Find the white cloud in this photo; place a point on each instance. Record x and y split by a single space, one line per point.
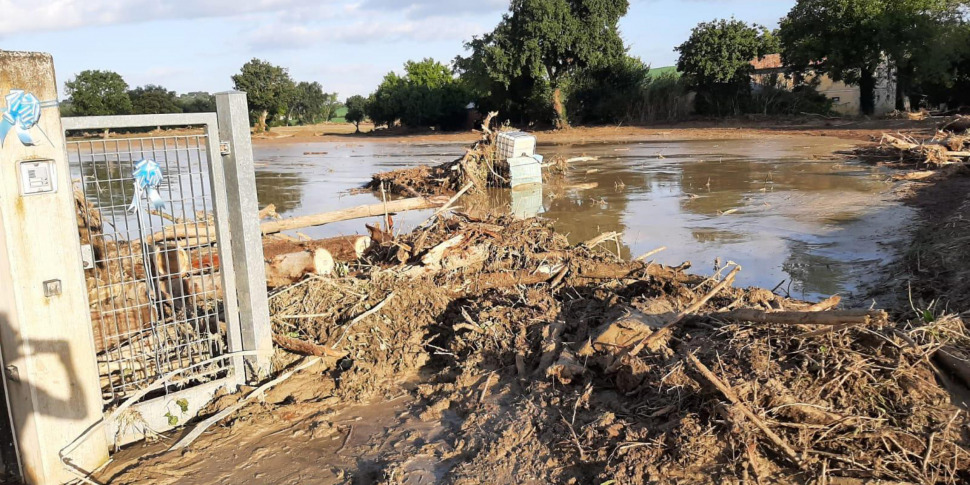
437 8
298 35
19 16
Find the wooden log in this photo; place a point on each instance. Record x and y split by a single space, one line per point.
596 241
487 281
619 271
651 341
826 304
206 286
373 210
286 269
172 258
434 255
341 248
200 230
306 348
204 230
621 334
827 318
472 256
268 212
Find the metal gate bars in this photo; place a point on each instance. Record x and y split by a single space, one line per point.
162 223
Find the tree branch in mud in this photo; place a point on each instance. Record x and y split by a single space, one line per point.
654 337
739 406
828 318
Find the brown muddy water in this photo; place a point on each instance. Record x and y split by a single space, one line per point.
784 208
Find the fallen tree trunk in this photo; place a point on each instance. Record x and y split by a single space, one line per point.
203 230
286 269
341 248
829 318
287 262
306 348
373 210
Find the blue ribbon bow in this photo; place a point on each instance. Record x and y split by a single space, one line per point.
22 114
148 176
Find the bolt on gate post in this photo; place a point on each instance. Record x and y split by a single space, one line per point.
246 237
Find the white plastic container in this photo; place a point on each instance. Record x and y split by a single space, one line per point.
527 201
525 170
511 144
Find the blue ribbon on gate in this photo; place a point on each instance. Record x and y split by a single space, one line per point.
148 176
22 114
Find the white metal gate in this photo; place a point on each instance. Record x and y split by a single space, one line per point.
160 280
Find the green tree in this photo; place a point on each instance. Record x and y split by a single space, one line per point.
850 39
308 102
427 95
153 99
923 40
269 89
197 102
98 93
953 86
330 106
605 94
387 103
548 41
356 110
716 62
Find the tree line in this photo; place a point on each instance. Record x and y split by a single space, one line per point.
274 98
557 62
563 61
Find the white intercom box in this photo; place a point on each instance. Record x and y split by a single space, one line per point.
37 177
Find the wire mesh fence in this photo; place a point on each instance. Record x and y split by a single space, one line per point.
153 278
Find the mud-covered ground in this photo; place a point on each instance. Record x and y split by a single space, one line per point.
749 128
501 353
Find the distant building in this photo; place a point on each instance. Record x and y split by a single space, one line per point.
769 71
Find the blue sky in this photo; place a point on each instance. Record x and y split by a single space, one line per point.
346 45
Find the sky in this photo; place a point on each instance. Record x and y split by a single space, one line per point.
346 45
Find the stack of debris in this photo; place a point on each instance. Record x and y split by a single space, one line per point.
502 158
565 364
950 144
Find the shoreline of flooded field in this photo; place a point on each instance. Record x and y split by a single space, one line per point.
793 215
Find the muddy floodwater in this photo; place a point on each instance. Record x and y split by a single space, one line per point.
785 209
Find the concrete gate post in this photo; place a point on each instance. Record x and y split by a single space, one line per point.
46 340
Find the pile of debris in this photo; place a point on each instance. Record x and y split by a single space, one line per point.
566 364
479 166
949 145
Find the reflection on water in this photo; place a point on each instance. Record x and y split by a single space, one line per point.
103 170
778 207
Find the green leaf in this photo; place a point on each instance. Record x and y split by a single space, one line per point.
172 419
183 404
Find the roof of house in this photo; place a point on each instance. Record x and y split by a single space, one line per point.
770 61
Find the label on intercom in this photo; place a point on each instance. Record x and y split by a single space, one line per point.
37 177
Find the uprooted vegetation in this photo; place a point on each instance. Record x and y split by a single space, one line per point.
568 365
479 166
544 362
949 145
